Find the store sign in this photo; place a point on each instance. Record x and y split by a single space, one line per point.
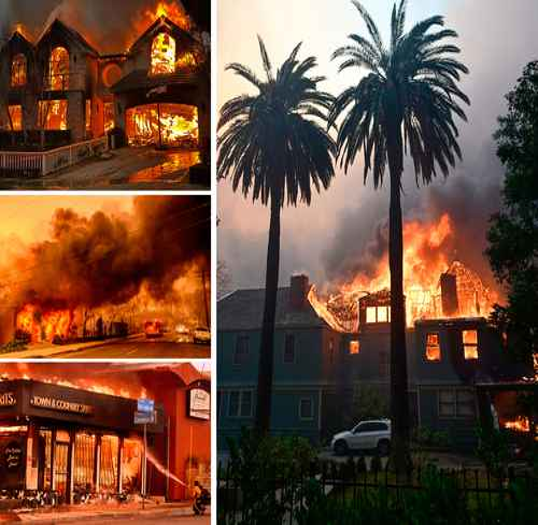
199 404
13 456
7 399
58 404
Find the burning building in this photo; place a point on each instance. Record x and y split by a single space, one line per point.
155 92
71 431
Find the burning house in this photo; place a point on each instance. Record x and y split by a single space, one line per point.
328 349
155 92
76 438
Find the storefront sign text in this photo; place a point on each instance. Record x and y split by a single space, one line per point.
57 404
7 399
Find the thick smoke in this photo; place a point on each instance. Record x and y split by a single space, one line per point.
106 259
108 28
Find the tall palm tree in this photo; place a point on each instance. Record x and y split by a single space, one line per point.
406 102
274 144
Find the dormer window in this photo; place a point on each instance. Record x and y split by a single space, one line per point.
59 69
378 314
163 55
18 71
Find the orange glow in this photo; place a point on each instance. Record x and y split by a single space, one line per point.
109 116
433 349
179 125
44 326
59 69
427 255
169 9
163 55
52 114
18 71
520 424
88 116
470 344
15 114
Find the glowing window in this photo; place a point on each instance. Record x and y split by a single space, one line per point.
433 348
371 315
109 116
470 344
59 69
163 55
88 115
15 117
53 114
18 71
354 347
382 314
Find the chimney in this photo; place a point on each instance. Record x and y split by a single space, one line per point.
299 288
449 295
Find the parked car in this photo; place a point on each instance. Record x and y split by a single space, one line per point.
201 335
366 435
153 329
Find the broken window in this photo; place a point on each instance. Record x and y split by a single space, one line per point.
433 348
52 114
354 347
59 69
470 344
163 55
18 71
109 116
15 116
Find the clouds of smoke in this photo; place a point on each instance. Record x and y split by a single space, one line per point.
105 259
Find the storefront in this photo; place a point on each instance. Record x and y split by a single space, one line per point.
73 442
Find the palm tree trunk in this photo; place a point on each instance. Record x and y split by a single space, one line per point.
265 364
399 404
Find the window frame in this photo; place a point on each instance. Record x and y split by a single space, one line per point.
21 73
235 361
311 401
456 403
240 393
473 345
427 345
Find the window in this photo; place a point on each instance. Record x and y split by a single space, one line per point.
289 348
109 116
240 404
15 116
52 114
367 427
59 69
163 55
241 350
379 314
18 71
88 115
433 348
470 344
354 347
306 409
456 402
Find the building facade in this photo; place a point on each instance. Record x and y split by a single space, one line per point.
319 370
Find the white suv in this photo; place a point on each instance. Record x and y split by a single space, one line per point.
368 434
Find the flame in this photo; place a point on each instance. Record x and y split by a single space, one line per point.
426 257
163 55
521 424
172 10
44 326
22 30
178 123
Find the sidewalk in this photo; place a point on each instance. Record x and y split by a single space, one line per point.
48 350
104 512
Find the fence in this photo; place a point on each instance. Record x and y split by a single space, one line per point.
35 164
345 486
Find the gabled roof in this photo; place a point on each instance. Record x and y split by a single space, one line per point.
139 79
243 310
17 39
70 34
164 23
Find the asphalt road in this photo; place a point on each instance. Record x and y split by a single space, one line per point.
158 517
141 348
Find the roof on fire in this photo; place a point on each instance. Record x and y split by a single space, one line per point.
243 310
69 33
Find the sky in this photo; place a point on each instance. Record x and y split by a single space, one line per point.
327 239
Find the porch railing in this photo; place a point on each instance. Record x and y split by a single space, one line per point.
28 164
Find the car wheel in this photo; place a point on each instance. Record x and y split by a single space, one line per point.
383 448
340 448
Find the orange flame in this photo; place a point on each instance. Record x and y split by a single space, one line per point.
169 9
44 326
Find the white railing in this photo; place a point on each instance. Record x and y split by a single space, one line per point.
44 163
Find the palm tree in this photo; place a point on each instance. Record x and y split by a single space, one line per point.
406 101
274 144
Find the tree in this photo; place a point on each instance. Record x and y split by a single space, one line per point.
274 145
513 234
406 102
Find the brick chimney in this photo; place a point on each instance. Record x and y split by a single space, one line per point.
299 288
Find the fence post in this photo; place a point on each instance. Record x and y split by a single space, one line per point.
43 164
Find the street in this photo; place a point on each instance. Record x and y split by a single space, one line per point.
155 517
140 347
